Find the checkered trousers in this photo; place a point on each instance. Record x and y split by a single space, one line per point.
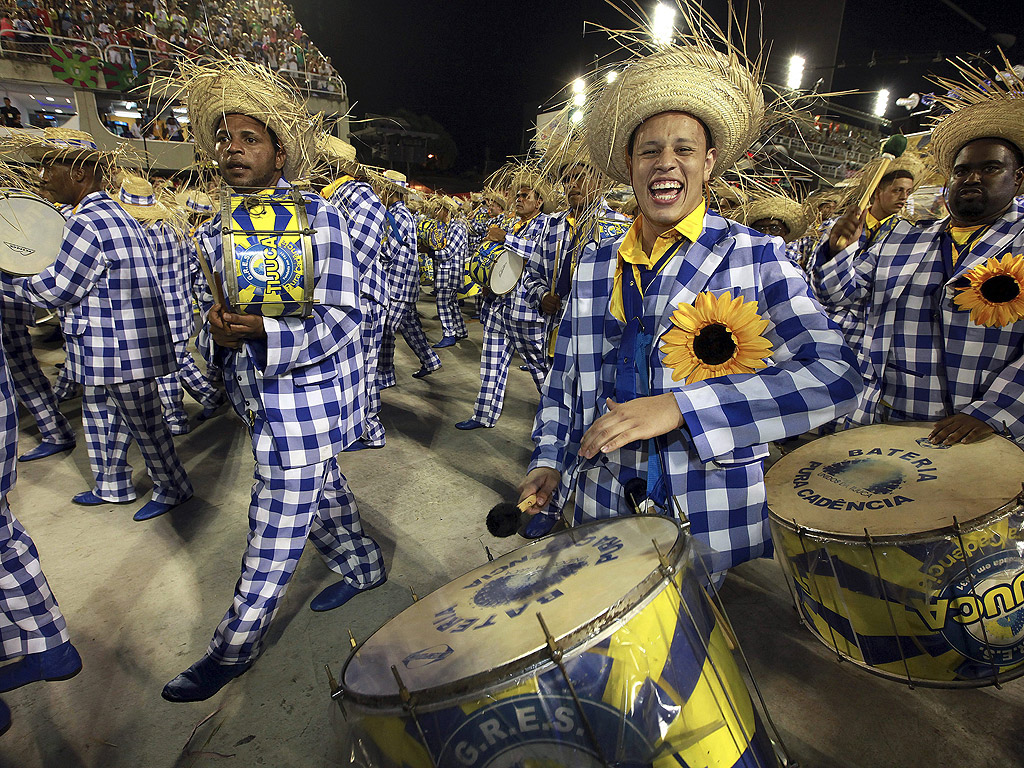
188 376
372 336
112 417
302 386
926 358
171 263
289 506
404 271
450 265
363 213
30 619
32 387
502 337
714 465
115 322
402 318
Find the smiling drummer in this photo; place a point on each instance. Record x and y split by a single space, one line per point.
295 381
734 352
944 300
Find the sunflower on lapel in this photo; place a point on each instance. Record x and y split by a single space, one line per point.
715 336
995 293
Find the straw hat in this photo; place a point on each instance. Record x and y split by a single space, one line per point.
235 86
772 206
337 152
997 118
533 178
494 196
64 145
722 191
194 201
136 195
714 87
393 181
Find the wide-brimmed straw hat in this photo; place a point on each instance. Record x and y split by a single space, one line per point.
337 152
714 87
136 195
785 209
234 86
64 145
194 201
533 178
393 181
722 191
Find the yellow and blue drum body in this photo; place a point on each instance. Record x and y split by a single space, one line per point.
608 228
482 262
903 556
644 658
268 250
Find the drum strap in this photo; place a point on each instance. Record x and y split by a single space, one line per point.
393 229
633 368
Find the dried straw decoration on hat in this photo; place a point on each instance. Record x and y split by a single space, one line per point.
775 206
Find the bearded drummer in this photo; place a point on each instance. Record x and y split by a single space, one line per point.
294 381
944 300
733 352
115 325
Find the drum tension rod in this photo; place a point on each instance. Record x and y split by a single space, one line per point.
974 594
409 705
669 572
811 569
556 654
888 610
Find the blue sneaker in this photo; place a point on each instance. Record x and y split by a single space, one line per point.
446 341
153 509
45 449
338 594
60 663
202 680
471 424
90 499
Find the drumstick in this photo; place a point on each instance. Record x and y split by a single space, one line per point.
503 519
204 265
894 147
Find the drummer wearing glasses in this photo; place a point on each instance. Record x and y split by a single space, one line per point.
690 342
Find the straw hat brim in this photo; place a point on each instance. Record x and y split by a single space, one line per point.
156 212
992 119
712 87
789 212
42 153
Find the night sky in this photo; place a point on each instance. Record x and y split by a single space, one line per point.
481 69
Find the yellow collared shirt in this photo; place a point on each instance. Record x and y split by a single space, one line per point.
631 251
961 237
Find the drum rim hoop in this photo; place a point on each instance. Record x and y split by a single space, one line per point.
471 688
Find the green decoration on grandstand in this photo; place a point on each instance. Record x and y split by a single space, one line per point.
75 69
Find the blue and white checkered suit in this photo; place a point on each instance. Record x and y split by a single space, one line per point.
449 267
714 466
301 394
30 620
117 338
925 357
404 281
365 216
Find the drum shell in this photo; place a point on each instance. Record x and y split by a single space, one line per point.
892 605
646 683
482 262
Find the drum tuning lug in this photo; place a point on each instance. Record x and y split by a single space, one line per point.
336 691
403 692
352 639
556 652
415 597
667 569
490 557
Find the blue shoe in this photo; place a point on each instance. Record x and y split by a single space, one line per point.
447 341
60 663
202 680
210 410
539 525
45 449
423 372
471 424
338 594
153 509
5 718
90 499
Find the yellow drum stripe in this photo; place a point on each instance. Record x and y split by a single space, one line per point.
395 743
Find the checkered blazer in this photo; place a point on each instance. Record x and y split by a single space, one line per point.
714 465
15 311
9 425
171 262
924 355
456 244
515 304
364 213
115 322
404 272
308 372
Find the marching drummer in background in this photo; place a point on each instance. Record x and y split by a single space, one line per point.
449 267
944 300
776 216
115 325
690 343
366 217
171 262
404 283
33 633
512 323
821 211
479 223
295 381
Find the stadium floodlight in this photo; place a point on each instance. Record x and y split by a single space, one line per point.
796 72
881 102
663 24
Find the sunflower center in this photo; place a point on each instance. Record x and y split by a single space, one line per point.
1000 289
714 345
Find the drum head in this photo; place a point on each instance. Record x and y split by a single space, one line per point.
505 273
890 480
31 233
482 627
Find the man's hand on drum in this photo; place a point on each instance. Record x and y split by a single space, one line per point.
625 423
550 304
495 234
959 428
542 481
230 329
